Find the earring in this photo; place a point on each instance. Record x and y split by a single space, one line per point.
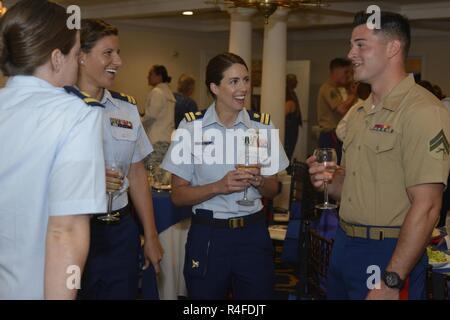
82 61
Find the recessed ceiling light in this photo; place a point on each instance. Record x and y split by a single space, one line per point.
188 13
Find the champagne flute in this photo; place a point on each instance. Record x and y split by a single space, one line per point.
119 167
245 201
327 157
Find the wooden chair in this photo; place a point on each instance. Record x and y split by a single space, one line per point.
318 261
437 285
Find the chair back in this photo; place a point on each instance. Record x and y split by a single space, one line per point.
318 261
302 191
437 285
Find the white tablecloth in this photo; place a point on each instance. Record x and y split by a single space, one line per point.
171 282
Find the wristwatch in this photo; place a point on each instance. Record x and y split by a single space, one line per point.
393 280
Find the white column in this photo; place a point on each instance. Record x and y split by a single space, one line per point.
241 36
274 68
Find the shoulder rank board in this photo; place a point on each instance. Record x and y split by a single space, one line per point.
83 96
191 116
123 97
264 118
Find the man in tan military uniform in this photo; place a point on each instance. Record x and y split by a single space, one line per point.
396 160
331 106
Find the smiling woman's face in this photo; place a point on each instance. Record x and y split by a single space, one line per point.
101 64
233 88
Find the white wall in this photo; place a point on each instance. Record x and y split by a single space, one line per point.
181 52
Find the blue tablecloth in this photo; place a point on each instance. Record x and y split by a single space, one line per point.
166 213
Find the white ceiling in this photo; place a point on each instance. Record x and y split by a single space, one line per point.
425 14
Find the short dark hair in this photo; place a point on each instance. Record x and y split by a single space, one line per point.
92 30
392 25
29 32
186 84
429 86
161 70
218 65
339 63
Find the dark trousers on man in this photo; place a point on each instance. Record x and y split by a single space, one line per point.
354 260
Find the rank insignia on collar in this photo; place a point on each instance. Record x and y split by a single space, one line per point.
382 128
439 147
195 264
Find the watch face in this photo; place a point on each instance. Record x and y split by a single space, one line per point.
393 280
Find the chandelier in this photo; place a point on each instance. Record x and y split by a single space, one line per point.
268 7
2 9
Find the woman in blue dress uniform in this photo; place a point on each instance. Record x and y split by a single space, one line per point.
113 264
228 248
51 162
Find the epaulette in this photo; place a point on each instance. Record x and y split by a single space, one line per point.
264 118
83 96
191 116
123 97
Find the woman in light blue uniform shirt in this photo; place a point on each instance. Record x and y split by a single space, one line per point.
113 265
228 248
51 163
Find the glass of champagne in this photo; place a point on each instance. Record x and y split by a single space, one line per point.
119 168
326 157
245 201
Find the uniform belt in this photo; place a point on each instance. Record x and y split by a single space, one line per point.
205 217
369 232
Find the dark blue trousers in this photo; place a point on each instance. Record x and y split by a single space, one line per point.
112 267
219 261
347 273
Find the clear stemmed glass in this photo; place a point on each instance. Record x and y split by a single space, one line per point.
119 167
245 201
327 157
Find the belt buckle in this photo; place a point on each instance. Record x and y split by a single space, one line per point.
234 223
378 234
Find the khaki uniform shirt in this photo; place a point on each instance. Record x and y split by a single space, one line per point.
159 118
397 144
328 100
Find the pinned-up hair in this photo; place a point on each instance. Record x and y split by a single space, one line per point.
29 32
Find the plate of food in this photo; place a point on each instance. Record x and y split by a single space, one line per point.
437 258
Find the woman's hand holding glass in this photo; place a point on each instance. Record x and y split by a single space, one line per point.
234 181
114 180
254 170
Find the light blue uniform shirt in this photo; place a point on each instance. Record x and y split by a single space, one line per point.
51 164
202 166
124 138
